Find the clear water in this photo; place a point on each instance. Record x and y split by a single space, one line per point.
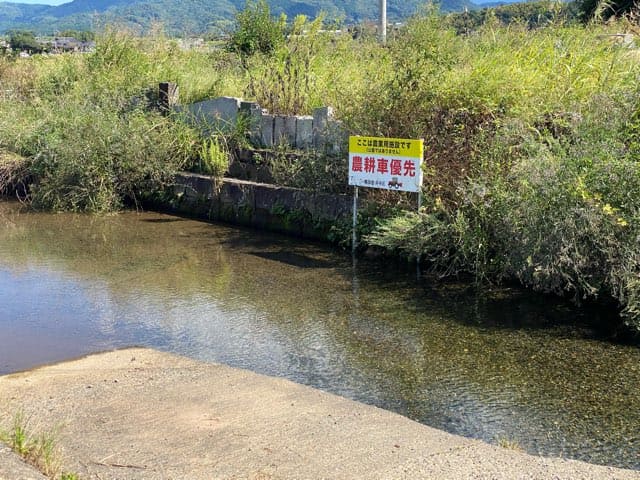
491 365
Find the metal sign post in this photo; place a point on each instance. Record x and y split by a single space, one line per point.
354 238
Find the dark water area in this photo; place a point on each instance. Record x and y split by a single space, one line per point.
498 365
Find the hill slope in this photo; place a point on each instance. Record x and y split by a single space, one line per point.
190 16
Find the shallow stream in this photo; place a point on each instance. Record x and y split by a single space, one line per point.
501 365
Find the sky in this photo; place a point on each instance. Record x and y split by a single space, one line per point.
41 2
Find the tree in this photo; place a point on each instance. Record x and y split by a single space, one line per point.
24 40
256 30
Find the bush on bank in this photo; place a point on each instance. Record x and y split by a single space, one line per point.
532 159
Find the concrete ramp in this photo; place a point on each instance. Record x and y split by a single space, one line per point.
143 414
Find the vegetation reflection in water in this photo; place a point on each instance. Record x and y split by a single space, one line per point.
499 365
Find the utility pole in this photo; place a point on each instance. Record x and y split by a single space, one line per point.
383 21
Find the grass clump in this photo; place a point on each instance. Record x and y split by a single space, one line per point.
213 157
504 442
531 164
90 139
38 449
13 173
93 158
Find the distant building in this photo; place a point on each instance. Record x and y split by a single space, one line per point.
68 44
191 43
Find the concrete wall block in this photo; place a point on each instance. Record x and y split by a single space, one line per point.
290 130
215 115
169 95
279 130
304 132
196 115
187 114
260 205
321 117
178 189
328 206
194 186
225 110
253 112
237 195
267 130
248 106
337 138
268 196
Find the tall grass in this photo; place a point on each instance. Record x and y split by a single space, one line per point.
85 126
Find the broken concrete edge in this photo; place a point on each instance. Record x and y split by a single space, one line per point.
74 358
14 467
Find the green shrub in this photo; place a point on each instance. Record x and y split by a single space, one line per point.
91 159
308 170
532 166
285 82
256 30
561 216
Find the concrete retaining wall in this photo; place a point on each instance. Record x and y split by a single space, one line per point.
260 205
269 207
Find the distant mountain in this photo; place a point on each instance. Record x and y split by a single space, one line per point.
188 17
494 3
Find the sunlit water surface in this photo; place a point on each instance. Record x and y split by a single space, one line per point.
499 365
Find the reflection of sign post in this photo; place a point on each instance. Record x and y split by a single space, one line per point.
387 163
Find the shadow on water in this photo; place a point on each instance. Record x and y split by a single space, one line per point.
162 220
293 259
498 306
486 363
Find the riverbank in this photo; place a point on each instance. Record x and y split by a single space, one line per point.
530 170
143 414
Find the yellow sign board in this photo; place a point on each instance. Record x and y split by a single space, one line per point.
388 163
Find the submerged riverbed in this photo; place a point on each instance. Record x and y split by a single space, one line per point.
501 366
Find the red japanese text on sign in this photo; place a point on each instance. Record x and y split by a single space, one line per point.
409 168
396 167
370 165
356 164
